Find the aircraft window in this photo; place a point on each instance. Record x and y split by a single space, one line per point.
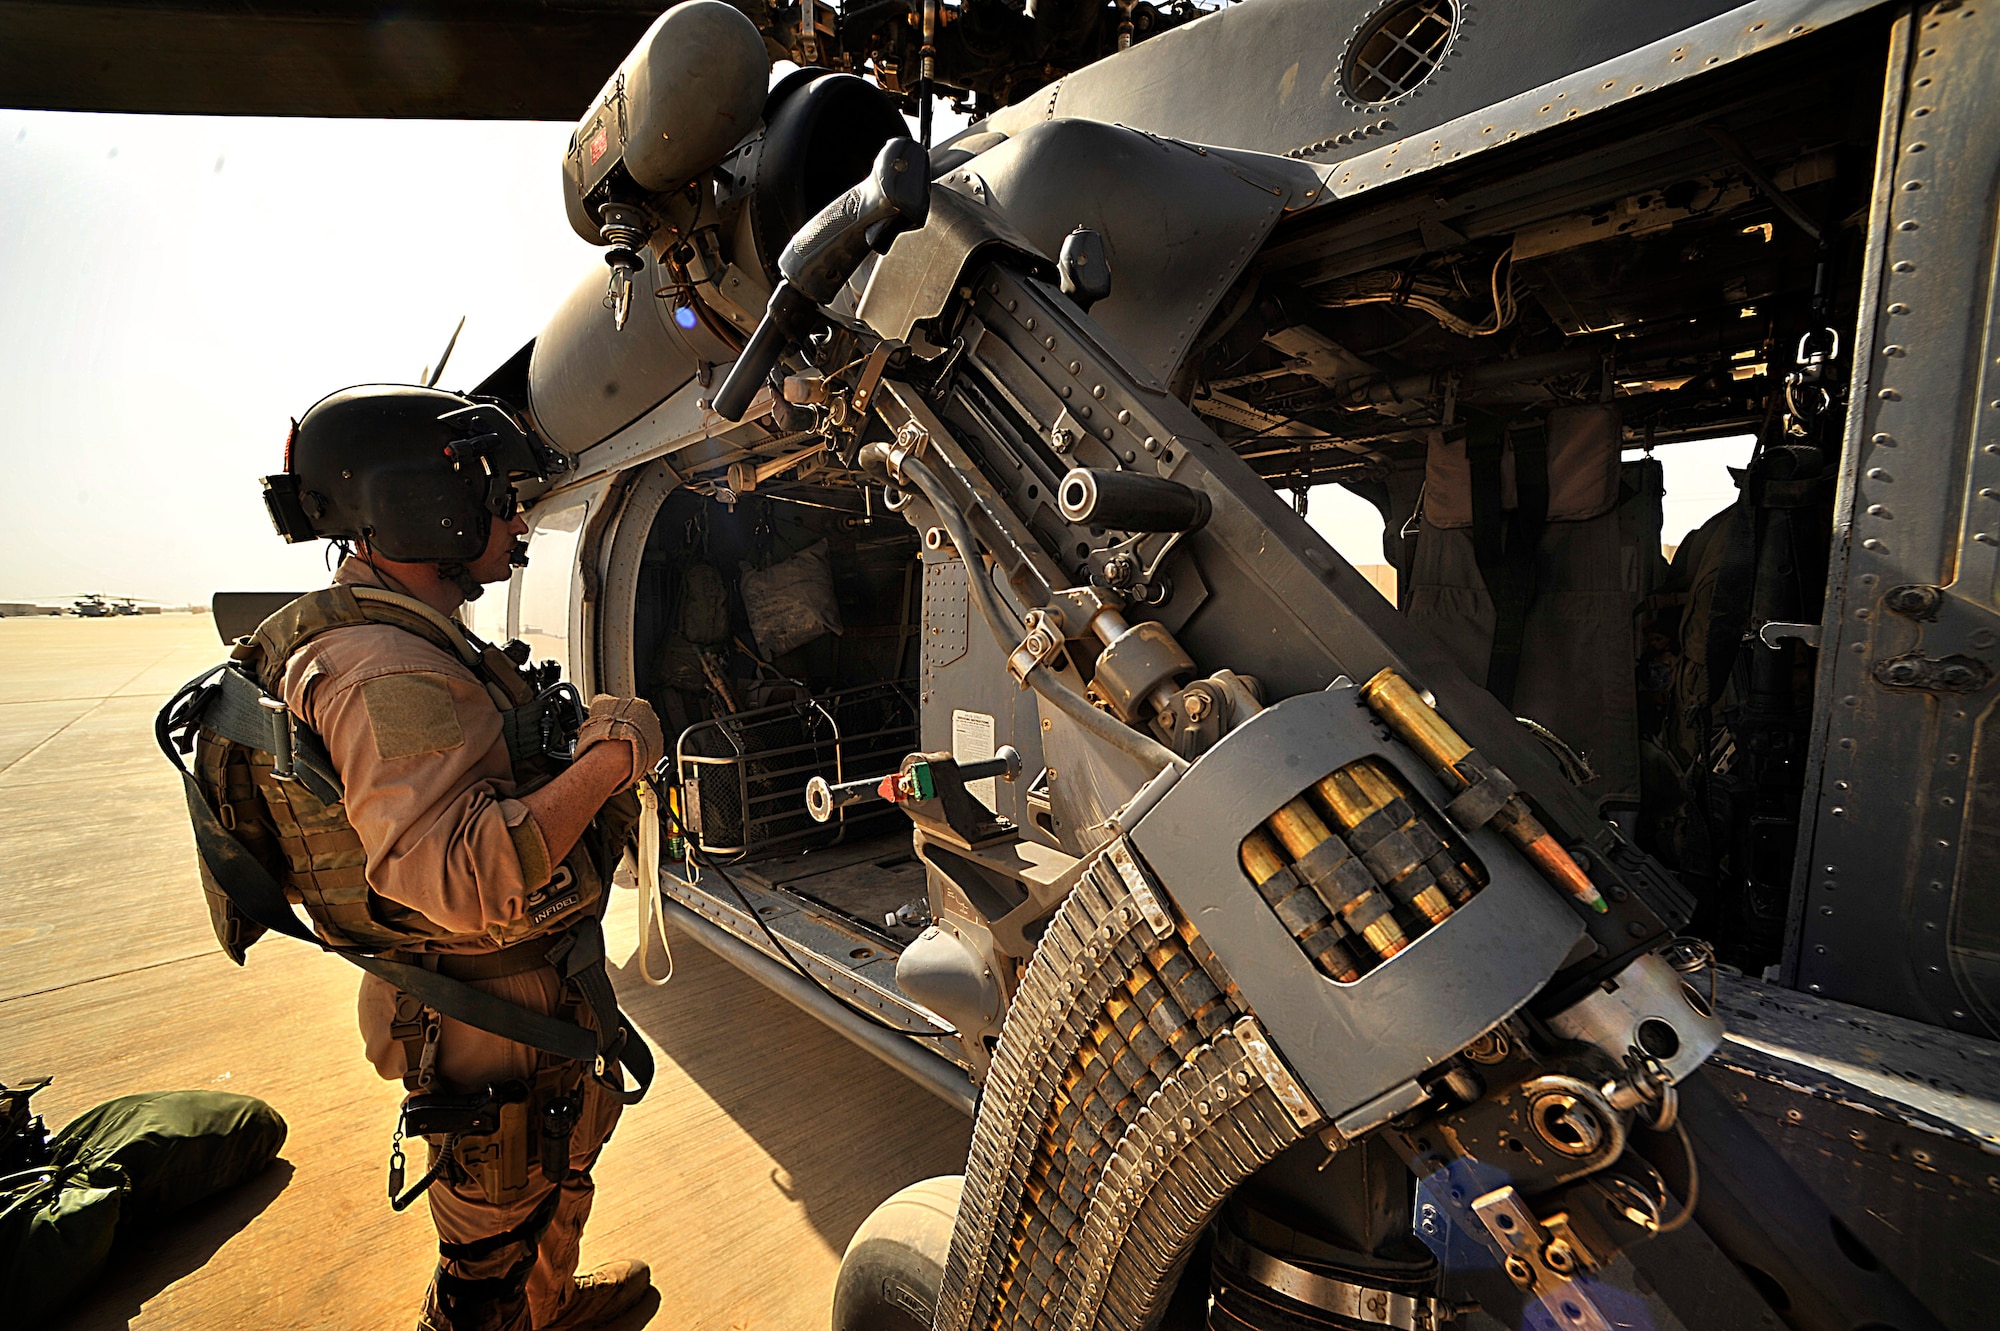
487 616
1400 48
545 583
1698 483
1354 527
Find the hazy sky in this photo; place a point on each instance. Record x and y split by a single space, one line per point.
174 289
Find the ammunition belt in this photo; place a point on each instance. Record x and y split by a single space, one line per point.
1130 1092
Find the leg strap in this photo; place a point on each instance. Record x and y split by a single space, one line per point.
1507 545
529 1231
579 958
475 1304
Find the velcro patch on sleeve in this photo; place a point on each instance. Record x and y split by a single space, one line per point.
411 714
534 853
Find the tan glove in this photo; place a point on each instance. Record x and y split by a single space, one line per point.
629 719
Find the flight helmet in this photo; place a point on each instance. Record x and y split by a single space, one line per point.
417 473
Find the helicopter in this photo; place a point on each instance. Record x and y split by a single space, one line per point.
96 605
1582 940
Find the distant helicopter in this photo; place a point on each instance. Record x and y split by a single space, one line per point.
96 605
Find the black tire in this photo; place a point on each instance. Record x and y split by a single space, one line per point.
894 1265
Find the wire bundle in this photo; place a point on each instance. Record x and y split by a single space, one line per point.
1429 293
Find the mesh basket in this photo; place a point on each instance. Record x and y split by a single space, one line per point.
743 777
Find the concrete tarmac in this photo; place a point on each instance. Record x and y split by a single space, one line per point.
764 1143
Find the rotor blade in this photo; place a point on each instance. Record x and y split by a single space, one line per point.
438 373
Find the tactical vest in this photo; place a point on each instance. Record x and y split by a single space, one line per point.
305 840
271 833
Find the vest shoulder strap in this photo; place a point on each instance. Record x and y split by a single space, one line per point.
298 622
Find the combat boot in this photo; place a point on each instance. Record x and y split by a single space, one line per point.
602 1295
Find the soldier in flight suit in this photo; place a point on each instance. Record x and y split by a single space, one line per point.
458 845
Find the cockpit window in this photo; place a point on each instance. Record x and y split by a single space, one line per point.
1399 48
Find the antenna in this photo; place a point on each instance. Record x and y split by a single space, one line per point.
430 380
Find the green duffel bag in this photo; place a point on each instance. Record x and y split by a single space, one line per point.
56 1227
134 1159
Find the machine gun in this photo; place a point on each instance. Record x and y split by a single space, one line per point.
1283 827
1257 898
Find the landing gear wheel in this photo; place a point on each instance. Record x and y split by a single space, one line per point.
894 1266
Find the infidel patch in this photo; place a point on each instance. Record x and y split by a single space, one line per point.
411 714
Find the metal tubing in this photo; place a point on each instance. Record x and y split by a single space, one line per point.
1130 501
937 1075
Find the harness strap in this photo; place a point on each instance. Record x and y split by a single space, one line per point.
1507 546
448 629
460 1294
528 1231
235 709
579 957
1730 602
517 959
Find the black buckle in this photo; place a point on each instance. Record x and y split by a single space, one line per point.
562 715
472 1114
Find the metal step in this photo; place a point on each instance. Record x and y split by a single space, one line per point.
857 964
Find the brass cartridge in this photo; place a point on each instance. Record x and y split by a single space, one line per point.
1319 855
1458 879
1415 722
1261 859
1379 824
1323 934
1418 725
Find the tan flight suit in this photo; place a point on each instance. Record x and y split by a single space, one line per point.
417 742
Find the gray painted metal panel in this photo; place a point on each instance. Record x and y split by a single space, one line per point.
1348 1043
589 378
1899 889
934 1074
1269 74
1672 59
975 679
1179 223
618 668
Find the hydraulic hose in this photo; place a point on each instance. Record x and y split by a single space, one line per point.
1040 678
